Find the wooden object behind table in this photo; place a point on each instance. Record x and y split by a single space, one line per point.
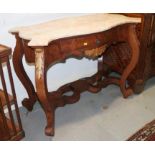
10 122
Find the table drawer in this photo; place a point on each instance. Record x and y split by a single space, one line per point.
86 42
82 42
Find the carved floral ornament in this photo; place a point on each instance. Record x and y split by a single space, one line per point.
39 58
93 53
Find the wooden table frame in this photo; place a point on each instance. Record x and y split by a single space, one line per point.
78 47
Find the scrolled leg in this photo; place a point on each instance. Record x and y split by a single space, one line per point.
41 88
134 48
19 69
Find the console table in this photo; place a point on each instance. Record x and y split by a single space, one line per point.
87 36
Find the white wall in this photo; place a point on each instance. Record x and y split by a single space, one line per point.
59 74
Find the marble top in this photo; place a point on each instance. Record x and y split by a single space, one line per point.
42 34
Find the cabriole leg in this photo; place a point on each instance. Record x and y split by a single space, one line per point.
42 92
134 48
19 69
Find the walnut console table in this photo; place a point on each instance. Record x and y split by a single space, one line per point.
88 36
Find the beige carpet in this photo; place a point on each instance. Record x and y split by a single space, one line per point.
105 116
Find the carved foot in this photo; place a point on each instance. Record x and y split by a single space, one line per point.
127 92
28 104
49 131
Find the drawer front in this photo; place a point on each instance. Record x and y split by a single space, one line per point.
86 42
67 45
82 42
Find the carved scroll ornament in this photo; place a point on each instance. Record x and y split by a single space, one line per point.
39 58
93 53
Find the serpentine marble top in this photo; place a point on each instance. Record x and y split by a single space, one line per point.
42 34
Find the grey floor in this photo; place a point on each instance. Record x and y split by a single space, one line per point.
103 116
